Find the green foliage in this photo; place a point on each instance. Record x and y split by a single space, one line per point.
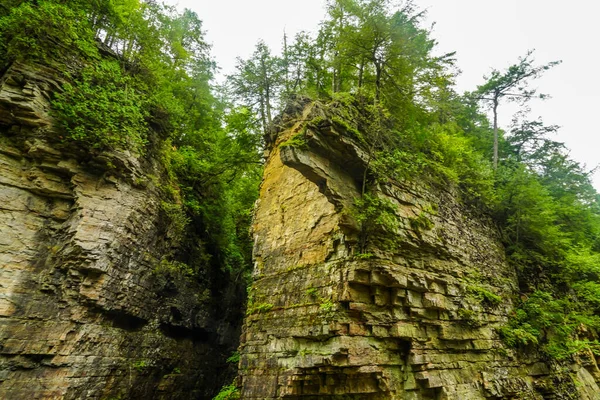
297 141
228 392
484 295
369 48
469 317
168 268
550 226
439 154
312 292
364 256
234 358
555 324
327 305
376 217
103 109
140 365
178 220
259 308
515 335
258 82
513 83
45 31
421 222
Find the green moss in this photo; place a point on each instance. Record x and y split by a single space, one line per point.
327 305
484 295
421 222
316 121
469 317
297 141
259 308
348 129
364 256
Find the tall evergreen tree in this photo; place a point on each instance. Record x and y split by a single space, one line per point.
512 85
258 82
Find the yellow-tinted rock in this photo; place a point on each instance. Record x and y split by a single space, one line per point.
400 322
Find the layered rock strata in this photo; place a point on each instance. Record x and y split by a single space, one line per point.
85 312
415 316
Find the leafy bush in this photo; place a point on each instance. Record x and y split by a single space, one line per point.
484 295
228 392
234 358
376 217
554 324
45 31
168 268
103 109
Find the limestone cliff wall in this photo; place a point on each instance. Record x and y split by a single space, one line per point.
83 313
405 321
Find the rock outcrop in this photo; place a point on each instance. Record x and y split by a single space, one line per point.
85 312
414 316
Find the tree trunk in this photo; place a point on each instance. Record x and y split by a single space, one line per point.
377 81
361 70
268 105
286 63
495 163
262 113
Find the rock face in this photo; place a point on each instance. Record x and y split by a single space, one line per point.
413 317
84 311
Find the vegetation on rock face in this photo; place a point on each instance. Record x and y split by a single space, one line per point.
103 108
375 68
139 78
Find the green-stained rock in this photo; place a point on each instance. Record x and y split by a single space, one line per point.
402 319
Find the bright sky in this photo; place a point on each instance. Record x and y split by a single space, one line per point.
485 34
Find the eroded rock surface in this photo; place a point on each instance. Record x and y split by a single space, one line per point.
407 320
84 314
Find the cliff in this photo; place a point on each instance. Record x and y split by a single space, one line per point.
343 304
86 311
412 315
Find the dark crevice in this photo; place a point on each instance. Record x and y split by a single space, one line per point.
181 333
125 321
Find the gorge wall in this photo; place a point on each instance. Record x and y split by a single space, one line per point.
85 312
414 316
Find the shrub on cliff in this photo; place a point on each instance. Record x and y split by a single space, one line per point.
103 108
45 31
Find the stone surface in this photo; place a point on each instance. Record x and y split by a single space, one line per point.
83 312
325 322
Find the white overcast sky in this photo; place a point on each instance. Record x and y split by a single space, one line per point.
485 34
